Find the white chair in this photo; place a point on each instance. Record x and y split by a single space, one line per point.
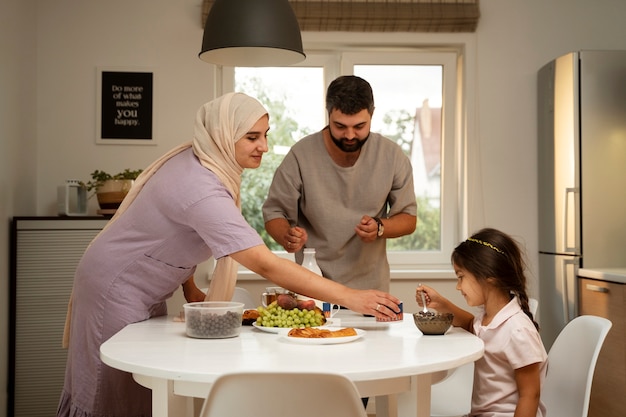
242 295
452 397
262 394
571 362
533 304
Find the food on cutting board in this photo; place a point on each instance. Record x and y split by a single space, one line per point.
275 316
322 333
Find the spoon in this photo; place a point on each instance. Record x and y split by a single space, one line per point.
424 310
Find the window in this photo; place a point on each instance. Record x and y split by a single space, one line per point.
416 103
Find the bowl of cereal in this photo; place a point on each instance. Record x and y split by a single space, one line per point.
213 319
430 323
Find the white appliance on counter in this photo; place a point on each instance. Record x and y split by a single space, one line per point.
582 177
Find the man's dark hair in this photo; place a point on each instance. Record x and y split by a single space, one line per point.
349 94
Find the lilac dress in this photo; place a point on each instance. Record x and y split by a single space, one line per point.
182 216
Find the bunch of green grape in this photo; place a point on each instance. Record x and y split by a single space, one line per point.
275 316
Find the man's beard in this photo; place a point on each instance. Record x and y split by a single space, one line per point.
352 147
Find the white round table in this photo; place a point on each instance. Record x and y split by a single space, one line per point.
391 358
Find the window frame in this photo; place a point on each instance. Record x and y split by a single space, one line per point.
448 220
455 52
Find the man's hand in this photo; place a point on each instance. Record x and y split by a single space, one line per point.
291 238
367 229
295 239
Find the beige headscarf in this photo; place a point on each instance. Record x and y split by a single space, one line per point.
219 124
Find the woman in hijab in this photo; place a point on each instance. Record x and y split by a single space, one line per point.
182 210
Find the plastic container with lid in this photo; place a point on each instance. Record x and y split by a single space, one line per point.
213 319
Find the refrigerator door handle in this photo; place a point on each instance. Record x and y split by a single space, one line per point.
569 219
570 289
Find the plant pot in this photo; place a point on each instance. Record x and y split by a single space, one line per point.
112 192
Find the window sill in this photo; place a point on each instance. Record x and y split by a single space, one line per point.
396 274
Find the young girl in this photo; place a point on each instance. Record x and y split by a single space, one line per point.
490 272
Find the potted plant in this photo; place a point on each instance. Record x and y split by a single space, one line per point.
111 188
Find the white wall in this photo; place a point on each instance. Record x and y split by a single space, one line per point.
18 140
76 38
516 38
50 50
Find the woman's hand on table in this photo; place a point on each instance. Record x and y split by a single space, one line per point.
374 303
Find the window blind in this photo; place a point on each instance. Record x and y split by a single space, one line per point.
381 15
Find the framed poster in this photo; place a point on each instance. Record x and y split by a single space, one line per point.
125 107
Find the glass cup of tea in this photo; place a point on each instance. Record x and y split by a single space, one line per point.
271 294
268 298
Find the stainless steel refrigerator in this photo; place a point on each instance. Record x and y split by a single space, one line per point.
582 177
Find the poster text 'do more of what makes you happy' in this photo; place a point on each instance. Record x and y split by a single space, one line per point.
126 106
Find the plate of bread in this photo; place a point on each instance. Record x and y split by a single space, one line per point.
323 335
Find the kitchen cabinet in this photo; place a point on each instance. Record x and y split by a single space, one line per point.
44 254
607 299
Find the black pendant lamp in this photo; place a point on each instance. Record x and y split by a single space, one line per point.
252 33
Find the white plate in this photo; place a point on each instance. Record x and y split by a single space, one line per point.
277 330
368 323
324 340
